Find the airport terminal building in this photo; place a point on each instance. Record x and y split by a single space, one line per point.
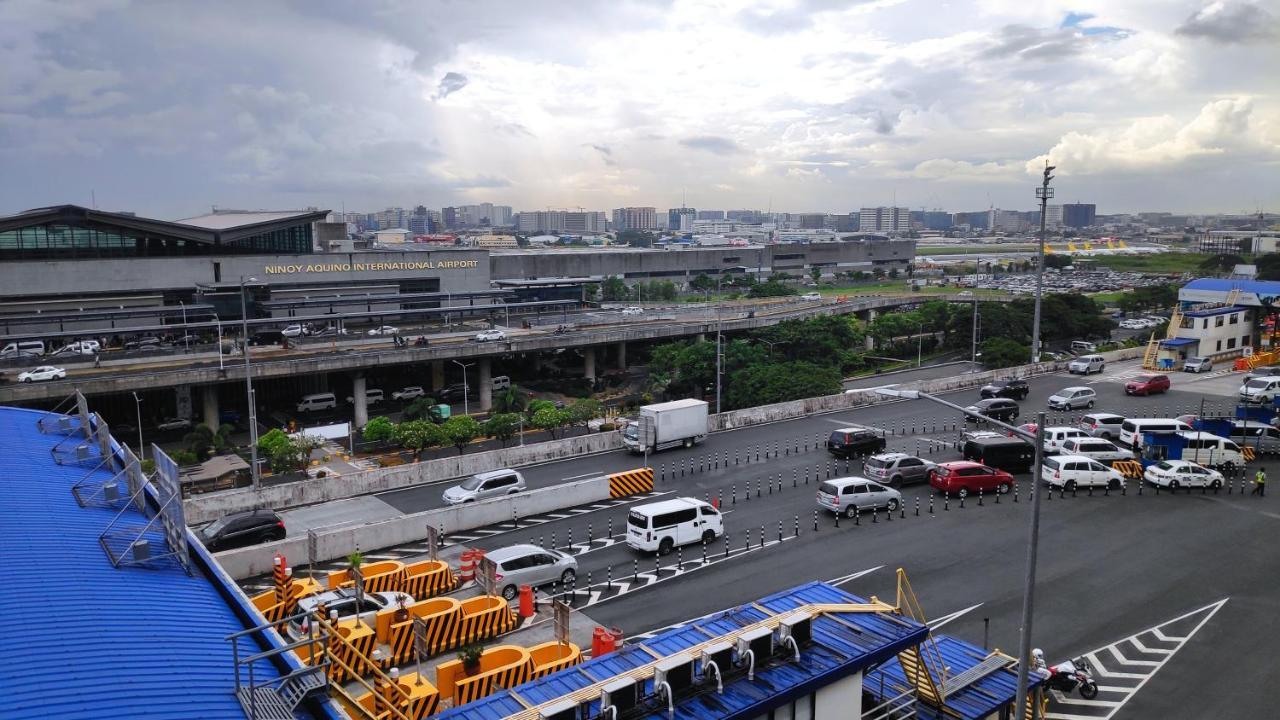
67 259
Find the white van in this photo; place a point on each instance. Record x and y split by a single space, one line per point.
1081 346
372 396
501 382
26 348
1055 436
1131 430
1210 450
318 401
661 526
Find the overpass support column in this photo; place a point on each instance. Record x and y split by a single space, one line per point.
486 384
870 342
437 374
359 400
622 355
702 337
209 399
589 363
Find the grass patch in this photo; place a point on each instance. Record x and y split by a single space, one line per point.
1162 263
1109 298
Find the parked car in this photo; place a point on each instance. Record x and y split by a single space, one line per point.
811 297
1002 409
1016 389
1072 398
1147 384
1083 346
139 342
1262 372
1197 364
80 347
26 348
1181 473
293 331
1261 437
1010 454
330 331
897 469
530 565
490 335
964 478
409 393
850 495
1087 365
848 442
372 396
251 527
1098 449
633 310
1055 436
456 391
1071 471
485 485
343 601
170 424
385 330
42 373
1103 425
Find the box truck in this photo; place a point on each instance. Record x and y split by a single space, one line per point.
667 425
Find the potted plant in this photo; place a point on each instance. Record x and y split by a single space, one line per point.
469 655
355 560
402 608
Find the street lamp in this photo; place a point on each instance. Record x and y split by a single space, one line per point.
248 384
1033 532
218 322
919 341
466 408
1044 192
142 449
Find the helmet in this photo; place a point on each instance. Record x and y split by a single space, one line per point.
1038 653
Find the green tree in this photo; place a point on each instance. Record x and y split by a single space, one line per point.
184 458
379 430
771 288
614 289
815 274
510 400
1057 261
202 441
1221 263
274 440
767 383
535 405
702 282
583 411
502 426
636 238
1268 266
418 435
460 430
550 419
422 408
998 352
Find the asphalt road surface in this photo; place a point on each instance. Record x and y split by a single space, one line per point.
1110 566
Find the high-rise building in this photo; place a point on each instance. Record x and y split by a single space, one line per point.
1080 215
635 218
847 222
558 221
884 219
809 221
681 218
449 218
1053 217
393 217
978 219
931 219
710 215
584 221
750 217
420 222
1009 221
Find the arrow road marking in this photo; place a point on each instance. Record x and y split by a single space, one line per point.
1135 658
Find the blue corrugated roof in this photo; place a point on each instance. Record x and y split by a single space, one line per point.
841 647
87 640
1178 342
1261 287
979 700
1214 311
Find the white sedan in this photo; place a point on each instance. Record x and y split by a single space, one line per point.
174 424
385 330
409 393
633 310
44 372
1182 473
490 335
293 331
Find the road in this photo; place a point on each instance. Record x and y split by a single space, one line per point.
1110 566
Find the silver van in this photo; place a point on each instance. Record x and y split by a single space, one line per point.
501 382
26 348
372 396
318 401
1210 450
1262 438
485 485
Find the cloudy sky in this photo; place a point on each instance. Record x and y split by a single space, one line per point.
166 108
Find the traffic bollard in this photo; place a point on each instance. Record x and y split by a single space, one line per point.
795 474
902 510
719 499
591 536
998 494
748 541
962 501
917 507
797 533
570 534
610 528
662 475
980 498
1075 491
1106 492
657 568
770 482
946 502
779 531
515 519
761 536
837 519
758 488
635 571
1124 486
857 515
704 551
930 503
726 545
735 493
679 557
888 514
1090 493
541 544
608 576
1015 491
875 514
553 539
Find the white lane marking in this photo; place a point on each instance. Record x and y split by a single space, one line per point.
583 475
937 623
852 576
1118 667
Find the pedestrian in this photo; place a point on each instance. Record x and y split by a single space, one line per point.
97 361
1260 482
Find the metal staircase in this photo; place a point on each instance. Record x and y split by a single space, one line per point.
278 703
276 697
921 664
1151 358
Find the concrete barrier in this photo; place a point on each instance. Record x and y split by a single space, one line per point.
209 506
342 541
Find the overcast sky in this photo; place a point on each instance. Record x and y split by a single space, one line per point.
166 108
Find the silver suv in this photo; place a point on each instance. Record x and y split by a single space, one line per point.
485 485
530 565
1103 425
897 469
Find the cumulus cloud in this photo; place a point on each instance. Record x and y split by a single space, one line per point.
1230 22
712 144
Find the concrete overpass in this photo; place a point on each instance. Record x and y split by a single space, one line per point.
268 363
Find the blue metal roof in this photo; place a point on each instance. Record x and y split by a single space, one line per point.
1215 311
1178 342
841 647
1261 287
976 701
96 641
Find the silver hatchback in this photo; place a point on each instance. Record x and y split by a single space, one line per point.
898 469
530 565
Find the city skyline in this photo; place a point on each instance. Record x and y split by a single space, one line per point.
805 106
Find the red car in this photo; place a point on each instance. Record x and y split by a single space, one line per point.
1147 385
965 478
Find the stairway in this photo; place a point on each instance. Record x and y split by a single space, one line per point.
922 664
1151 356
264 702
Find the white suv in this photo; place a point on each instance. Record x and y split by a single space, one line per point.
1087 364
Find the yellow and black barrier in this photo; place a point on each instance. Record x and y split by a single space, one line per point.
504 666
483 617
428 578
1131 469
273 610
1248 452
383 576
631 482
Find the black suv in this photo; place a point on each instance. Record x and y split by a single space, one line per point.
849 442
241 529
1002 409
1014 389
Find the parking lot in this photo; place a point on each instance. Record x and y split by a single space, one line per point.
1112 565
1087 281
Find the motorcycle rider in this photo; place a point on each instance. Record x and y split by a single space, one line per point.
1038 666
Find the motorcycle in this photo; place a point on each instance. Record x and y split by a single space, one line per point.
561 330
1072 674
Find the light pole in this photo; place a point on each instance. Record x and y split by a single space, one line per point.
919 341
218 321
1033 532
142 449
466 408
1044 192
186 344
248 385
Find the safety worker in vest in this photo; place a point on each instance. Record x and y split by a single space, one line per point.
1260 482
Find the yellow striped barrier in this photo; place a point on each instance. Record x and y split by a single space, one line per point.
383 576
631 482
1249 453
552 656
416 698
428 578
502 667
483 617
1131 469
273 610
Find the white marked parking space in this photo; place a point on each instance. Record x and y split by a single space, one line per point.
1122 668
